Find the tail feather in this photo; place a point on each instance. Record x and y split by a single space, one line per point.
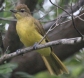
48 65
54 64
62 66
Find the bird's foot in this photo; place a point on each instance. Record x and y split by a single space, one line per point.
35 45
18 52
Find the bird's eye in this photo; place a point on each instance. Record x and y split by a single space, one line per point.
22 10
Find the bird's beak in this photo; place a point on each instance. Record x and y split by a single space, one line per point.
13 11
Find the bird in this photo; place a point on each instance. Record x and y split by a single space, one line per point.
31 31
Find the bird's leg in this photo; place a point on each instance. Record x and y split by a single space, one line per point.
35 45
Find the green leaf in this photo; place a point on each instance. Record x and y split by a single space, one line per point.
7 68
24 75
45 74
77 70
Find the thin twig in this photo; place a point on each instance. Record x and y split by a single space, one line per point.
59 7
56 24
80 18
46 33
46 14
54 19
6 19
70 19
50 29
57 12
73 23
6 50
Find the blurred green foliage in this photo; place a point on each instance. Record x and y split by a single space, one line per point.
5 14
6 69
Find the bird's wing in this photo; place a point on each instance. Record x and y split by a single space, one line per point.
40 29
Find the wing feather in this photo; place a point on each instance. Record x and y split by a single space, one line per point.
40 29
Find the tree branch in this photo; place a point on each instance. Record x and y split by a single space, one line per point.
52 43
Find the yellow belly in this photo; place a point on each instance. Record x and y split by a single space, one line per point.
28 36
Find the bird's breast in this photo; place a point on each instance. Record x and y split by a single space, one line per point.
27 33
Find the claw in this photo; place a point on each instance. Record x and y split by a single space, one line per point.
18 51
35 45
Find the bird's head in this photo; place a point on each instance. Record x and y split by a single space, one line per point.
21 11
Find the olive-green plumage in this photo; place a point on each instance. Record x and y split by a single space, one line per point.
31 31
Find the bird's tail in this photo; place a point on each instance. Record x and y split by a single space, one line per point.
54 64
